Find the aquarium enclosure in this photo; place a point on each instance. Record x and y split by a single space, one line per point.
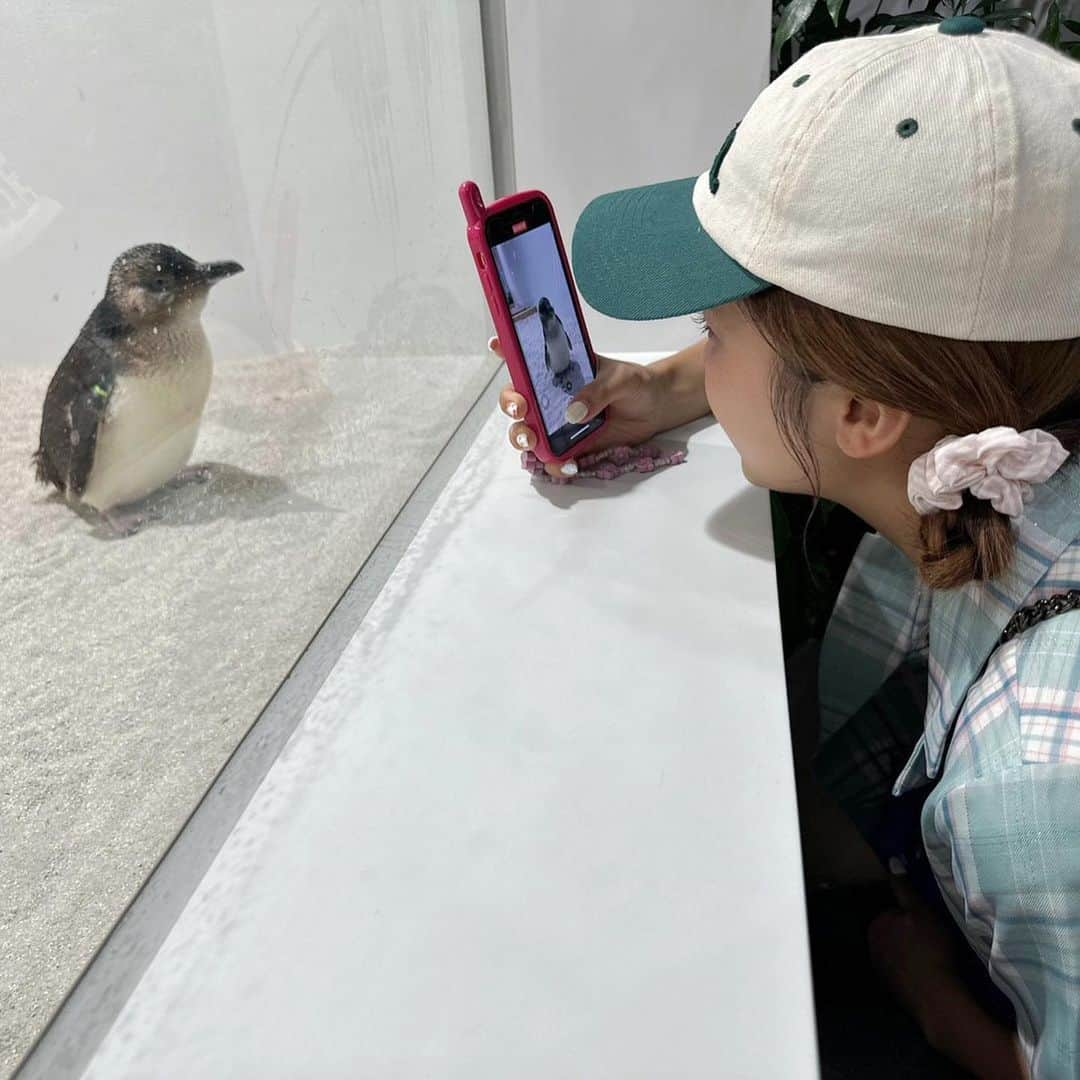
299 321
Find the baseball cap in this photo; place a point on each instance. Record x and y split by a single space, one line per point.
927 179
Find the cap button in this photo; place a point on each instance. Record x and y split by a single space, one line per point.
961 24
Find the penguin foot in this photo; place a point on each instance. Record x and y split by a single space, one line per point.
193 474
125 523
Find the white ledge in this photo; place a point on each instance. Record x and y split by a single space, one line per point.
539 821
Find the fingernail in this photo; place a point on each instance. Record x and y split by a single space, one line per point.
576 412
512 408
896 866
522 440
491 343
569 468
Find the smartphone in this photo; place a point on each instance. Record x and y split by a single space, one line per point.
519 254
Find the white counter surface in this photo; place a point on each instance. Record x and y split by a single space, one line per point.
539 821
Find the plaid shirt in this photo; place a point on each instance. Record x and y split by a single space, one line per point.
1002 825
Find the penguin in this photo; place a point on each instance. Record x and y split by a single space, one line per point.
122 411
557 350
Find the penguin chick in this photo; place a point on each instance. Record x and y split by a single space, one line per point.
557 356
122 411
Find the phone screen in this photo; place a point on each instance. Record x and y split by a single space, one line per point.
537 291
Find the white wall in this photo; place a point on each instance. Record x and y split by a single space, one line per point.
319 142
627 92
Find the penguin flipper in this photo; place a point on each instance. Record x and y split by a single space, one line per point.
87 412
75 405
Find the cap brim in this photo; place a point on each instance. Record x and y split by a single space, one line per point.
641 253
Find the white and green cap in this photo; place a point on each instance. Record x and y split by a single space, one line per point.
928 179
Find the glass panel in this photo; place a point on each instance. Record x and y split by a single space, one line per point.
319 147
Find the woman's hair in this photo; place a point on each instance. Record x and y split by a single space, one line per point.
966 386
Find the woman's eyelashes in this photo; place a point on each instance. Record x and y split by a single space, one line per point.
702 322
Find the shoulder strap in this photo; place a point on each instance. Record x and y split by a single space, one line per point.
1043 609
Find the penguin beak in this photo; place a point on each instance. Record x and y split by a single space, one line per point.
211 273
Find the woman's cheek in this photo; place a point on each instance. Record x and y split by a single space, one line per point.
737 392
712 394
717 393
727 396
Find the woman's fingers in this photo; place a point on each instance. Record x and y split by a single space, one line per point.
567 468
522 437
593 396
512 403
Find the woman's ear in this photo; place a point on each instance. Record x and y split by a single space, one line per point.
867 429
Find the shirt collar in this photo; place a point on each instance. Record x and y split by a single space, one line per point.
965 623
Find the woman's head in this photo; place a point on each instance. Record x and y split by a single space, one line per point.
821 402
870 178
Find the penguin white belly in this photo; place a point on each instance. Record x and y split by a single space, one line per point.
149 430
558 352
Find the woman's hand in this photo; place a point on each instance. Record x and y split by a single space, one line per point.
631 393
911 948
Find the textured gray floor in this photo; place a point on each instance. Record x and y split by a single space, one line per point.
131 667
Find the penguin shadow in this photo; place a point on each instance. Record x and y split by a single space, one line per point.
215 492
580 489
739 524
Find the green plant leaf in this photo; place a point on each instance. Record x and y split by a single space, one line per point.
1071 25
1052 33
1074 51
836 10
1009 15
884 19
791 22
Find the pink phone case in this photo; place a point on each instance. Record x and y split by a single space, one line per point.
476 214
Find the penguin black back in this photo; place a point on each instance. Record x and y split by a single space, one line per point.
75 403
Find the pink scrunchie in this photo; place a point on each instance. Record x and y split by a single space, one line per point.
999 464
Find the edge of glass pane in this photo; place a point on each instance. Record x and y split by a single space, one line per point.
497 85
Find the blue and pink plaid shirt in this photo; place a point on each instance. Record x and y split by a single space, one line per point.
1001 827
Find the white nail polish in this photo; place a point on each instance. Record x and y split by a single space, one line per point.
576 412
512 408
491 343
522 440
569 468
897 867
